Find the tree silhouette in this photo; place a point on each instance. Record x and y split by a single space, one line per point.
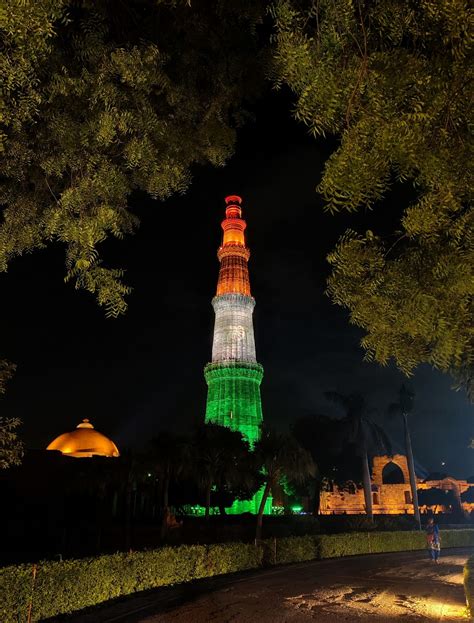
11 447
436 497
404 407
169 458
222 461
369 438
280 456
320 435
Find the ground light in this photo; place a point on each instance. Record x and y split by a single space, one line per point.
296 508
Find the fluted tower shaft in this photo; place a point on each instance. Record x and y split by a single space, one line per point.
234 376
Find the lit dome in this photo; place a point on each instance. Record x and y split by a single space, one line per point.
84 441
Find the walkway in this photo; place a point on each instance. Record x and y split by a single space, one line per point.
383 588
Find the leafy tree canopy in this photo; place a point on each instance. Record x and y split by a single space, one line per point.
394 81
222 461
101 98
11 447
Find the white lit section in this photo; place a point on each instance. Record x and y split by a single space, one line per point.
233 330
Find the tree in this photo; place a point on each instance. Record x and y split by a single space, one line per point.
468 496
435 497
280 456
404 407
321 436
104 98
11 447
393 81
369 438
169 458
223 462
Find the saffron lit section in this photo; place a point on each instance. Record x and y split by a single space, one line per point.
233 254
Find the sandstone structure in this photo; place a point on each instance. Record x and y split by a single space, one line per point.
391 493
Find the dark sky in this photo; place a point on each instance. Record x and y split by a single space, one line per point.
138 374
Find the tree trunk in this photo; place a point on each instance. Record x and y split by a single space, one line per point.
266 492
128 516
317 497
165 509
208 501
411 470
166 488
367 484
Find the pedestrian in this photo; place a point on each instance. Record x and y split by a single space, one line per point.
433 540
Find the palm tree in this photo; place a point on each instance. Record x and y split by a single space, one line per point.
319 435
280 456
404 407
369 438
221 459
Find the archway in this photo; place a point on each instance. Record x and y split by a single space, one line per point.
392 474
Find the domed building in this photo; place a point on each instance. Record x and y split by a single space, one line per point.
84 442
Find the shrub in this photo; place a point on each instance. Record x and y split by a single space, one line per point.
295 549
65 587
469 584
332 524
457 538
71 585
299 549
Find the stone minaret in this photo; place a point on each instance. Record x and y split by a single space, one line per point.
234 376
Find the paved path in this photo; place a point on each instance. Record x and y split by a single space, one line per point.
364 589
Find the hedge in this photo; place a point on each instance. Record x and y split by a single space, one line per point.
316 547
55 588
469 585
71 585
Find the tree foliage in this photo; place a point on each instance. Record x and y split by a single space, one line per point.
11 447
281 457
468 496
359 429
437 497
404 408
223 464
393 80
103 98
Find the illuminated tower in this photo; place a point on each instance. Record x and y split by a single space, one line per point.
234 376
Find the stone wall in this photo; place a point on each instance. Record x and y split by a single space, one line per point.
387 498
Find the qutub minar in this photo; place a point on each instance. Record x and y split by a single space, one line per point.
234 375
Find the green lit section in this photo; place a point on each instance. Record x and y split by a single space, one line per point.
233 398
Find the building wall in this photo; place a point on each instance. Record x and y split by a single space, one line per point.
388 499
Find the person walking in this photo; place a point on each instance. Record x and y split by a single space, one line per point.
433 540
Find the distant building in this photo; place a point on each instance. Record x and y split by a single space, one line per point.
391 494
84 442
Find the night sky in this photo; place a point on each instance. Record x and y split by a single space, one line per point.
144 372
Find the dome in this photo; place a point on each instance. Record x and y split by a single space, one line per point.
84 441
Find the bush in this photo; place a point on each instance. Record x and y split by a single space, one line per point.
334 524
457 538
469 584
299 549
295 549
65 587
